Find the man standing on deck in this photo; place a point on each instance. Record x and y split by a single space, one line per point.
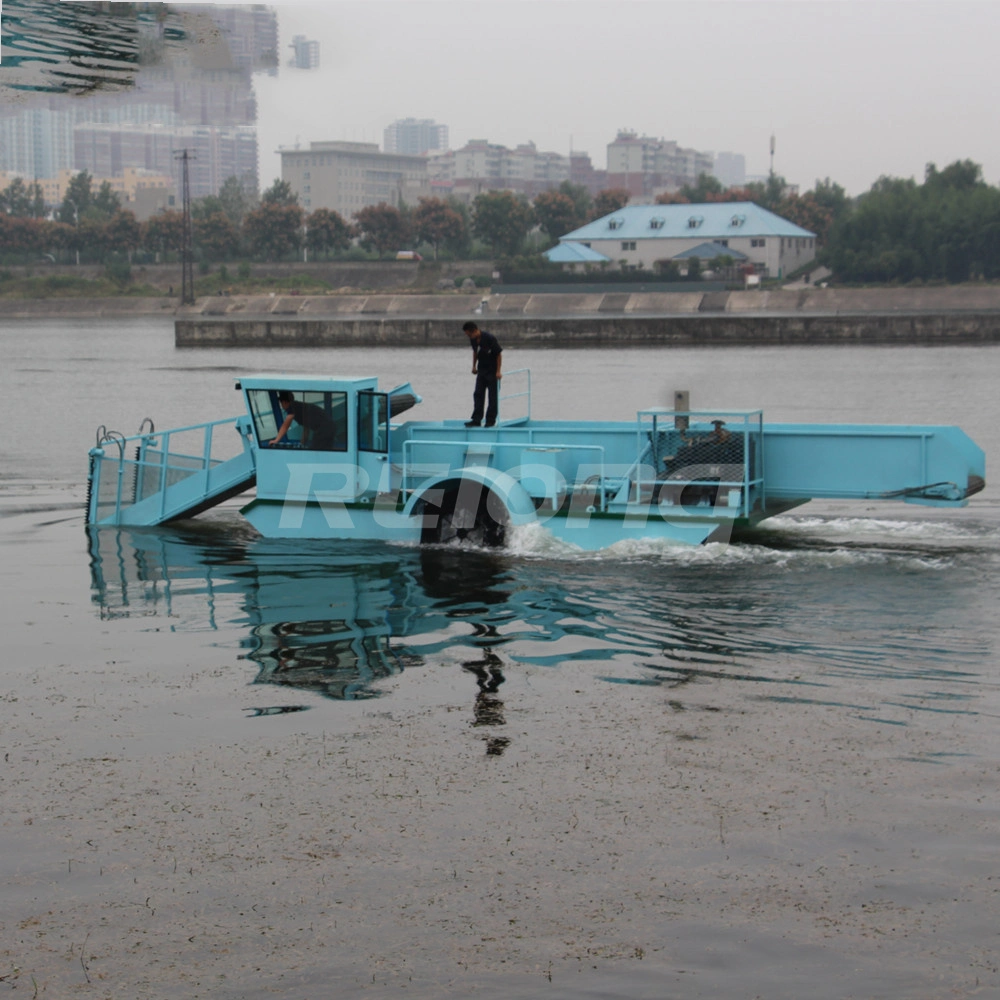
487 358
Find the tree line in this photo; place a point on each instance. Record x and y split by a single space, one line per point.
94 225
946 228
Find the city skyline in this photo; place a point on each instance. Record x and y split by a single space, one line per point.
851 91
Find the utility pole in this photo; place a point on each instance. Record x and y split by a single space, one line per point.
187 238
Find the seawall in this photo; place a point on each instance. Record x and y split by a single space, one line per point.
952 315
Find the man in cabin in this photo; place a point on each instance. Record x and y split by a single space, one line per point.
317 428
487 359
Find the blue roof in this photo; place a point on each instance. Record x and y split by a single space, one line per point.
709 251
713 221
574 253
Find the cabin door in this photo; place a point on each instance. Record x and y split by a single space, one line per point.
373 442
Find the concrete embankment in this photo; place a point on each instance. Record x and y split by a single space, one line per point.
956 315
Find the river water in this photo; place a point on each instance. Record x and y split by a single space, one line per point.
848 652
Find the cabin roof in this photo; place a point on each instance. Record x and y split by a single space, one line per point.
316 383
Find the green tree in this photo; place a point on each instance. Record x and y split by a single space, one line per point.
383 227
768 195
123 233
216 236
706 189
610 200
237 199
164 232
556 213
202 208
832 197
581 199
273 230
946 228
22 200
105 203
962 175
326 231
77 199
279 193
20 235
436 222
807 212
503 220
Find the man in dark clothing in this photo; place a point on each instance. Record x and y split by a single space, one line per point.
317 428
487 358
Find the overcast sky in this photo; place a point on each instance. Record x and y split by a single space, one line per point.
851 90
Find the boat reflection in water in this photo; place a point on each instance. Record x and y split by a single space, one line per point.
337 618
321 618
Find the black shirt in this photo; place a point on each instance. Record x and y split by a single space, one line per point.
316 422
486 353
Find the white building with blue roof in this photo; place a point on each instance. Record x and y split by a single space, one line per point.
641 235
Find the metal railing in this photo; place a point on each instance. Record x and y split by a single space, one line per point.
524 393
118 481
746 426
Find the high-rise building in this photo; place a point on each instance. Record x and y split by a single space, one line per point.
413 137
217 152
305 53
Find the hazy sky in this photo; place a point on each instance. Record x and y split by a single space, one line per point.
851 90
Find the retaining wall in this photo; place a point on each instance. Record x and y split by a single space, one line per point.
601 331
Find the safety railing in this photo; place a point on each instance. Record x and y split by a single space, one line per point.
524 376
717 454
119 481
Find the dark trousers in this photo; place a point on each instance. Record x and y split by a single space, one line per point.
486 383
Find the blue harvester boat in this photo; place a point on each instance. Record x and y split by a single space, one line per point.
676 474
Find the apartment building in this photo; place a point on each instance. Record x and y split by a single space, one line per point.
347 176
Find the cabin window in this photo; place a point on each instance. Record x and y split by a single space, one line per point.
324 415
373 421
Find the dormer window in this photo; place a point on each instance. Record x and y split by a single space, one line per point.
616 223
657 222
695 221
737 220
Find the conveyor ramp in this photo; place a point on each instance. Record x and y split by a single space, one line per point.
152 478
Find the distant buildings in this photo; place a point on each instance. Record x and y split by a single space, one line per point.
583 173
482 166
730 169
639 236
347 176
646 167
415 136
305 53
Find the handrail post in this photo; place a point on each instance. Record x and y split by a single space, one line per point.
207 454
165 450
